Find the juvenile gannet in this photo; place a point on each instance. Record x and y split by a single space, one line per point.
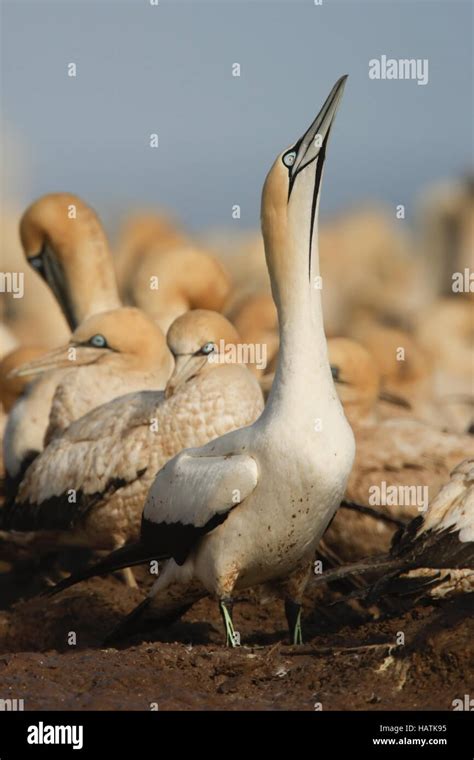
167 274
63 240
109 457
251 506
441 539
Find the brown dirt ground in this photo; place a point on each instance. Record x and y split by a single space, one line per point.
348 661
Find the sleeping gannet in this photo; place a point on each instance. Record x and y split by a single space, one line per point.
109 457
251 506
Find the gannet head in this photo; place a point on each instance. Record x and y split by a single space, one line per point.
291 191
358 380
63 240
356 376
123 339
196 339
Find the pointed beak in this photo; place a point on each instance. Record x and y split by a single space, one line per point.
46 264
336 375
391 398
67 357
314 141
186 367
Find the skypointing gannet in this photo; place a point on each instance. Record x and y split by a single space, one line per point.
109 457
251 506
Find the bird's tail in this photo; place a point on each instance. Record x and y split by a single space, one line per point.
383 563
126 556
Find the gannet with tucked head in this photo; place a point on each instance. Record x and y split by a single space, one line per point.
63 240
167 274
110 456
251 506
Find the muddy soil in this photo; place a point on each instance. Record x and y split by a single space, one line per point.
350 661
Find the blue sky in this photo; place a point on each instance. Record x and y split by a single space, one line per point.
167 70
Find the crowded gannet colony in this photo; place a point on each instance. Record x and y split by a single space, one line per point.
213 418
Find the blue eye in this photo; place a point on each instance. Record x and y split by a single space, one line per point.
36 262
208 348
289 158
98 341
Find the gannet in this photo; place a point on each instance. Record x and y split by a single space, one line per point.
108 355
63 240
251 506
109 457
441 539
357 379
166 274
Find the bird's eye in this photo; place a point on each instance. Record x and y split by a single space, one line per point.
335 371
98 341
37 262
207 348
289 158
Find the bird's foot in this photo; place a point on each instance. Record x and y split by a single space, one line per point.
232 636
293 618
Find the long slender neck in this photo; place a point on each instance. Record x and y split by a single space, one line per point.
303 383
93 286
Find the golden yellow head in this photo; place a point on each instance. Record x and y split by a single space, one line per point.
63 240
195 339
291 192
124 339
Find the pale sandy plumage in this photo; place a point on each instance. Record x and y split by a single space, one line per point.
251 506
170 274
83 375
256 321
37 317
65 243
367 265
11 388
445 331
8 341
110 456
